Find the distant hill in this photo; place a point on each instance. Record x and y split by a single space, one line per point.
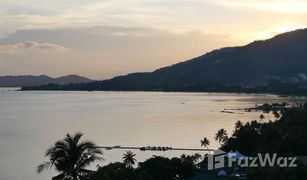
72 79
28 80
283 57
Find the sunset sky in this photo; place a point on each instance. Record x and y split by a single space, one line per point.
104 38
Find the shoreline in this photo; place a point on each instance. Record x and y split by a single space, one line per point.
158 91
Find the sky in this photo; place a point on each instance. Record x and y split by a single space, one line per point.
101 39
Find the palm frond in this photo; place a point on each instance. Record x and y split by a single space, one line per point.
85 161
85 172
44 166
86 145
61 176
77 137
70 156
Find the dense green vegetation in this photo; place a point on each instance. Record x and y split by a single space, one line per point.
285 135
155 168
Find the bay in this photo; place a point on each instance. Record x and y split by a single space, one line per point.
30 122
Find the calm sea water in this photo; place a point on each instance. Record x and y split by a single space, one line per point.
30 122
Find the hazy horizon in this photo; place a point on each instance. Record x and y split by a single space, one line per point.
103 39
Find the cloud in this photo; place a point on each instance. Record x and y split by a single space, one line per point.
211 16
106 51
285 6
32 14
31 46
73 13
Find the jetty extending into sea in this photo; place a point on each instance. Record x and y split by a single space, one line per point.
153 148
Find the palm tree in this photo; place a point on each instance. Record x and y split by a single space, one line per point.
221 136
196 157
70 157
205 142
261 117
238 125
129 159
276 114
183 156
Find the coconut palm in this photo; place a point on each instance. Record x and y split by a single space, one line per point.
70 157
238 125
196 157
204 142
128 159
221 136
276 114
261 117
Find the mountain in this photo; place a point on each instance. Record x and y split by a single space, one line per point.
71 79
20 81
283 57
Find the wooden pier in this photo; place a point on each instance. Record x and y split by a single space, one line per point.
154 148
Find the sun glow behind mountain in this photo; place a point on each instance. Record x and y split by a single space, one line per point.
263 35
